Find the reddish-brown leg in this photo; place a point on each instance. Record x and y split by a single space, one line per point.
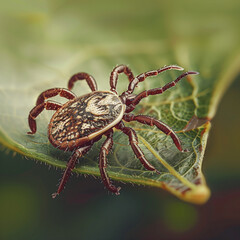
70 166
141 77
155 91
133 139
54 92
49 105
114 75
106 147
160 125
83 76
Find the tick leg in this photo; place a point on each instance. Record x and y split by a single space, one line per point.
154 91
49 105
141 77
70 166
54 92
160 125
114 75
133 139
106 147
83 76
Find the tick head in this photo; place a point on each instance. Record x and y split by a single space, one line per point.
101 104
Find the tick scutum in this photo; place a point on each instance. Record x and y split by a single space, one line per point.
82 119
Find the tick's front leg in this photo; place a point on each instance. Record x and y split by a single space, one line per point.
83 76
114 75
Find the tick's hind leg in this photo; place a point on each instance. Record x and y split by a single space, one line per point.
160 125
62 92
133 139
106 147
49 105
83 76
70 166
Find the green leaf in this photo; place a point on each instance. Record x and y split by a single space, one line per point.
42 44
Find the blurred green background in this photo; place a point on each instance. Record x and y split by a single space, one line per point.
86 210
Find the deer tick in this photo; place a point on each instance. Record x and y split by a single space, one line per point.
81 121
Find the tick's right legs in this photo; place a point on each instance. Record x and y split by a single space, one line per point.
133 140
105 149
154 122
70 166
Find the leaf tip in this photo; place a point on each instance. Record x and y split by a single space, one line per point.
199 195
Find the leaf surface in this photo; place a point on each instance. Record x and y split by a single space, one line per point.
43 44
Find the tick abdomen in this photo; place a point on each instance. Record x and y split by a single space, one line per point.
84 118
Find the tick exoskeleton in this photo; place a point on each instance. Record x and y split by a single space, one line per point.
81 121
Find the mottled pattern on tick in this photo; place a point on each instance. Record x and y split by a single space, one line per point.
85 115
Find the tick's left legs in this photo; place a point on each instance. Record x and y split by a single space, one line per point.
70 166
114 75
83 76
48 105
133 139
154 122
106 147
62 92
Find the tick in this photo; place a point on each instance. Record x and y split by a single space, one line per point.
82 121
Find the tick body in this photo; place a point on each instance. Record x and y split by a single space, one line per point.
81 121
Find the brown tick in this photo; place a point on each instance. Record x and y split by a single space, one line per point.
81 121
